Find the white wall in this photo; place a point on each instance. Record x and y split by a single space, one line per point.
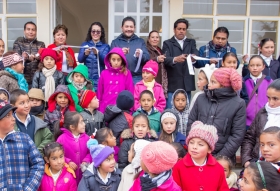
43 21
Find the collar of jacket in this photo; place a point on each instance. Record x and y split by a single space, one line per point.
248 77
154 110
123 37
88 112
220 94
99 43
66 167
93 172
187 160
157 49
174 41
29 41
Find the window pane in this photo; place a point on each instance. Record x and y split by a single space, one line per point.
157 6
1 7
198 7
118 23
0 29
144 6
144 24
132 6
229 7
200 30
157 23
16 6
265 8
119 5
15 29
261 30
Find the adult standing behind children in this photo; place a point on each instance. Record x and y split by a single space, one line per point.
132 46
28 47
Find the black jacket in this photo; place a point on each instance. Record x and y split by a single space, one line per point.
93 120
227 112
178 74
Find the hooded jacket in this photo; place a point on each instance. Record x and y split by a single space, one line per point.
8 94
82 69
112 81
92 120
54 111
227 112
8 81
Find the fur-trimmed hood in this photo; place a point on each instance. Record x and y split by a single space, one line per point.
128 134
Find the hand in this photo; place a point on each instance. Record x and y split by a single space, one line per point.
181 58
246 164
31 57
62 47
244 58
213 61
87 51
193 60
73 165
137 53
125 50
25 55
161 58
94 51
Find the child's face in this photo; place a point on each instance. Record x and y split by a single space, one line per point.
202 81
81 128
270 147
94 103
23 105
56 160
19 67
247 183
78 78
111 140
214 84
108 165
180 101
147 102
7 123
256 67
147 76
225 165
273 97
2 47
168 125
131 153
230 62
198 148
116 61
4 97
140 127
49 62
267 49
62 100
35 102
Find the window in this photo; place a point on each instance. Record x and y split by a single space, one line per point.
21 6
198 7
1 6
229 7
264 8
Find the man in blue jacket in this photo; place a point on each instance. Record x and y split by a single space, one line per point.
216 48
132 46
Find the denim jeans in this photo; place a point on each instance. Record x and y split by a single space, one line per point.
169 99
136 79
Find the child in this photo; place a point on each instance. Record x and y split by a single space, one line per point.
157 160
181 151
58 175
149 73
195 170
140 130
22 166
78 80
71 135
60 102
272 66
4 95
147 101
180 104
213 108
260 176
47 77
204 76
12 78
231 176
169 128
101 174
268 116
37 101
35 127
93 118
114 79
131 170
256 84
118 116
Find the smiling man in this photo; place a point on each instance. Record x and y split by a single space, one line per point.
131 45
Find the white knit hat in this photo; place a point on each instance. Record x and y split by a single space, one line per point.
208 70
168 114
138 147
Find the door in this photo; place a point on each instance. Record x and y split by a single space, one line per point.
56 15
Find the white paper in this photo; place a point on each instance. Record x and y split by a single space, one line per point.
190 65
201 58
139 60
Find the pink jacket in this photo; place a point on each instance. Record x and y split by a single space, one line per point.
158 93
112 81
65 182
75 150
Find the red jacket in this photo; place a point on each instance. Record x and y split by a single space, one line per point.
211 178
60 59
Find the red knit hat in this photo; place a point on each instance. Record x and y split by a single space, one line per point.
48 52
86 98
228 77
151 66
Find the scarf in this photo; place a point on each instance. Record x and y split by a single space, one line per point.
148 183
273 116
219 48
36 110
50 83
20 78
150 86
79 86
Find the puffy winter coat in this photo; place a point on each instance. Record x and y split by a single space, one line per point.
8 81
154 118
92 120
227 112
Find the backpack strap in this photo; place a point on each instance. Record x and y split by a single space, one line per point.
256 88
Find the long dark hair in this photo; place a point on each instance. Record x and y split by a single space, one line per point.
50 148
102 134
102 38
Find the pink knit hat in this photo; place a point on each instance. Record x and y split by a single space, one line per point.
159 156
228 77
208 133
11 59
151 66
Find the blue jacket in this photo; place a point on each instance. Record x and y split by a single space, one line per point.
212 54
91 60
133 43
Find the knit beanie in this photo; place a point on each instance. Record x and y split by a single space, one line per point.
228 77
159 156
151 66
125 100
11 59
139 145
99 152
36 94
86 97
166 115
208 70
208 133
48 52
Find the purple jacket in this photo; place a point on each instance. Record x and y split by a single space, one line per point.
258 100
75 150
112 81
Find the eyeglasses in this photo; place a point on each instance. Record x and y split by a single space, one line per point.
96 32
